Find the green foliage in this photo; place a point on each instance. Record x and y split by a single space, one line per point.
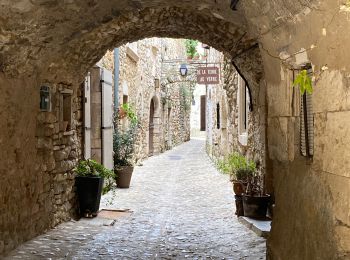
124 145
91 168
236 165
185 100
130 112
191 48
304 82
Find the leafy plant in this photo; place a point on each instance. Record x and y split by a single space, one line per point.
91 168
129 112
254 185
237 166
244 171
185 100
191 48
124 145
304 82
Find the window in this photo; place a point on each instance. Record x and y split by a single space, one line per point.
66 110
45 99
218 116
203 112
124 121
125 99
243 108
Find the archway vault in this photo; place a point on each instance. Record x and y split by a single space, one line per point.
66 40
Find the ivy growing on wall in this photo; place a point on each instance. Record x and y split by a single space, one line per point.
185 97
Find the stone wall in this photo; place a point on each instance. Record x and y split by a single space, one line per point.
225 140
140 79
43 41
312 216
37 193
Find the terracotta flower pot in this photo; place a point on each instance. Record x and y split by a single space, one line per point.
238 188
124 174
122 113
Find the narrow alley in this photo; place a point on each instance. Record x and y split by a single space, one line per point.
181 208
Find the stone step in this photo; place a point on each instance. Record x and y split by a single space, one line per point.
260 227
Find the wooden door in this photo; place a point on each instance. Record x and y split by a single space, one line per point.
151 130
203 113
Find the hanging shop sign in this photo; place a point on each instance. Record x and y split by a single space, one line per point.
208 75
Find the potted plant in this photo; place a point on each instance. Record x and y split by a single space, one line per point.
255 202
239 168
123 149
125 110
89 182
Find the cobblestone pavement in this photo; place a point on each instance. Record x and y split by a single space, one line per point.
182 209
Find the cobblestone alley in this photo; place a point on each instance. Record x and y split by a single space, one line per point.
182 208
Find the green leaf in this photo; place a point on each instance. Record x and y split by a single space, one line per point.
304 82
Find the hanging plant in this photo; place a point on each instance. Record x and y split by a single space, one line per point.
304 82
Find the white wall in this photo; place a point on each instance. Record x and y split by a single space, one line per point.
196 112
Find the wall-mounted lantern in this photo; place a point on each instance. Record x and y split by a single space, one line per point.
205 46
183 70
45 99
234 4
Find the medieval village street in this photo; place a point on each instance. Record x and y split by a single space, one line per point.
182 208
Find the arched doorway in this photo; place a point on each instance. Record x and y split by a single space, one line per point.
153 127
151 130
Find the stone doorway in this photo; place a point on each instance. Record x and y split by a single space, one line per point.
151 129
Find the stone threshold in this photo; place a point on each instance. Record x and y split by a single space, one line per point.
106 217
260 227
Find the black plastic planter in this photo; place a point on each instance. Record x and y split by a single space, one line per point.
255 206
239 205
89 194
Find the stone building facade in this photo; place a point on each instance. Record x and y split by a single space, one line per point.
234 123
159 105
142 83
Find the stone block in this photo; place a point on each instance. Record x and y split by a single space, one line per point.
331 93
278 138
50 118
2 246
339 187
336 140
44 143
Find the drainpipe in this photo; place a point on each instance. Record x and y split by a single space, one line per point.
116 79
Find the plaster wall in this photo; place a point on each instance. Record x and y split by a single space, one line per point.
312 215
195 118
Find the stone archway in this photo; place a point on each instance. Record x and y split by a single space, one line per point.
49 42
